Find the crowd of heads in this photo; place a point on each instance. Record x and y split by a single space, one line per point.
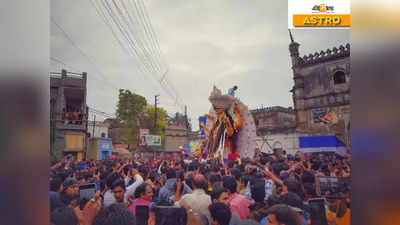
268 189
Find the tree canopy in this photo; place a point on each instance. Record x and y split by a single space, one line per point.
134 113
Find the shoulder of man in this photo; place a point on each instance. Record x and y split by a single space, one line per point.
235 219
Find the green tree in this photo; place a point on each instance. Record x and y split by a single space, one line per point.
131 110
161 114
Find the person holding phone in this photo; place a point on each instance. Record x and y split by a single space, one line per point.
70 189
167 192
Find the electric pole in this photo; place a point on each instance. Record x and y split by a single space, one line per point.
94 124
155 112
186 121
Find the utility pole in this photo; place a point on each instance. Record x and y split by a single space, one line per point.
155 112
94 124
186 120
187 123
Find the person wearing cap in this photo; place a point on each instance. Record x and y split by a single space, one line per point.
70 192
70 187
232 91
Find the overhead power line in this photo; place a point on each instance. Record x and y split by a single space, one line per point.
64 64
130 20
91 61
93 110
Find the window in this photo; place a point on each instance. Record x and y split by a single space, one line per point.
339 77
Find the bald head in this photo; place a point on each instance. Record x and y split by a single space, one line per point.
199 182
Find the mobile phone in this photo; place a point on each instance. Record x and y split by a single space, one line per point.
86 192
142 214
318 211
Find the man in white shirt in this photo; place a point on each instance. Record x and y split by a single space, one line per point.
198 200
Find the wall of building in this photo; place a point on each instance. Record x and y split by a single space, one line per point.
273 118
99 129
322 105
173 142
175 136
92 149
288 142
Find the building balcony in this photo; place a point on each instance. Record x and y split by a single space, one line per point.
68 79
78 125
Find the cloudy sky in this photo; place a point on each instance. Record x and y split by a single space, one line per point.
203 43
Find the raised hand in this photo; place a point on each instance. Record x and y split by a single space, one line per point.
91 209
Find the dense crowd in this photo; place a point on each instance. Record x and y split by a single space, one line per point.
271 189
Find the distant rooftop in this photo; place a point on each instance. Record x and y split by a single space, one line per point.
273 109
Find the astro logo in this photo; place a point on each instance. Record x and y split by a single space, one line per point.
322 8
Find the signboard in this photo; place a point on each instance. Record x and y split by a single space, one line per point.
74 141
150 140
318 14
322 117
105 145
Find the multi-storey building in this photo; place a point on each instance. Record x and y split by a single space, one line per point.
68 114
321 91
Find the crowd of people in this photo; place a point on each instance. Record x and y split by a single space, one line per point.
271 189
72 116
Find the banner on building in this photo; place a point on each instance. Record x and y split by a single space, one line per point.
317 144
323 117
202 124
150 140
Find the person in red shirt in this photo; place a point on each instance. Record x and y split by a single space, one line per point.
238 203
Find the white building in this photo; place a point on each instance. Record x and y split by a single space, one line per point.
288 142
98 129
276 129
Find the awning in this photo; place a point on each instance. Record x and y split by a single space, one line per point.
312 144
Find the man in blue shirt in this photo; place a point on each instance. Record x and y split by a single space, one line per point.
231 91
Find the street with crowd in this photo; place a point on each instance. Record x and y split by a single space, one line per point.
270 189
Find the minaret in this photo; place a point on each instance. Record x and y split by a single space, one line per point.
297 88
294 50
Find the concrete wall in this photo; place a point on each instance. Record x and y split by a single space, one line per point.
173 142
92 149
99 128
289 142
